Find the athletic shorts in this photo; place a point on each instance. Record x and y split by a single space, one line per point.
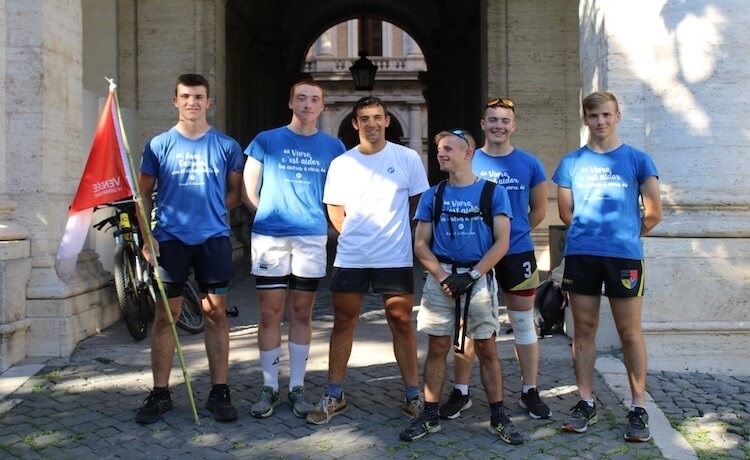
279 256
211 261
586 274
517 272
385 281
437 311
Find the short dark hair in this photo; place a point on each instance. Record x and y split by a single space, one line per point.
305 81
368 101
192 79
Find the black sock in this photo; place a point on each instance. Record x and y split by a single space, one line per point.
219 387
431 410
496 411
161 392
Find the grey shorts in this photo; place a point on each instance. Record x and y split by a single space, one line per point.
437 311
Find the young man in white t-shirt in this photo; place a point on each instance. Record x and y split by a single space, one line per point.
371 193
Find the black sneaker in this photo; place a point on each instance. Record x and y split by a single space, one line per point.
220 403
153 406
455 404
534 404
581 416
506 430
637 429
420 428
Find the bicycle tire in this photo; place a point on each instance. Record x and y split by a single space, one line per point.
191 314
131 301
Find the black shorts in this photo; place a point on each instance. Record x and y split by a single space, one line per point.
386 281
211 261
517 272
586 274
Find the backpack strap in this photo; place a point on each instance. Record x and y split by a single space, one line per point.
485 203
437 202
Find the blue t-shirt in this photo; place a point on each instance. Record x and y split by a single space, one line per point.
457 237
294 174
191 176
518 172
606 191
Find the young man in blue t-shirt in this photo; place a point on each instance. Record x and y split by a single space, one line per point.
284 178
198 170
608 195
459 252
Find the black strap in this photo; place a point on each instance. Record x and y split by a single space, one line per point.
461 324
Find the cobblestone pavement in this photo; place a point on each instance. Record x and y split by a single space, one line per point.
84 407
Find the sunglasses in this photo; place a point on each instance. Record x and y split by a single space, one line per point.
500 102
462 134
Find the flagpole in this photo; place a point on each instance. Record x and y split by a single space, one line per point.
154 261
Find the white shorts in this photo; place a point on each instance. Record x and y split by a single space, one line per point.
437 311
275 256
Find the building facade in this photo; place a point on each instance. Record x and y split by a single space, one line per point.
679 69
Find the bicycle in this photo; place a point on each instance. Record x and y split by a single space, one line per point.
133 276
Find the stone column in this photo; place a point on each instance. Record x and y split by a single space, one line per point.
415 131
670 75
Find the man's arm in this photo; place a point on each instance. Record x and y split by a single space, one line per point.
538 204
413 202
146 184
251 178
234 189
336 214
652 210
565 204
501 232
423 251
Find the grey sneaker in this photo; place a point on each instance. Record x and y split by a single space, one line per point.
327 408
414 407
581 416
534 404
267 401
420 427
506 430
455 404
637 429
300 407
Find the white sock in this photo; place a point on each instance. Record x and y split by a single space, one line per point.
269 364
525 389
462 387
298 354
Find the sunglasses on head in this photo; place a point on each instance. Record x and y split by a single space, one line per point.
462 134
500 102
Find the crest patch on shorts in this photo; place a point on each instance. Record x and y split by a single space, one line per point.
629 278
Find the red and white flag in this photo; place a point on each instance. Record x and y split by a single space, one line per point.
106 178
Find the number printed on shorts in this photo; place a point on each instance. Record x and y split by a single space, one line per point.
527 269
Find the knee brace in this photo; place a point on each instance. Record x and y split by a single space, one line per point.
524 329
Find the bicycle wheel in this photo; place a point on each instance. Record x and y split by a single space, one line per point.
191 314
132 303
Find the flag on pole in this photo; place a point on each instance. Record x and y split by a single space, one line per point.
105 179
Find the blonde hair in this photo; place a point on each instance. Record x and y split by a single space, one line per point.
598 98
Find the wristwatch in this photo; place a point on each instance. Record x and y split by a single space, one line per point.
475 274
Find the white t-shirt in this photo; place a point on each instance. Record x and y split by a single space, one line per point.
374 191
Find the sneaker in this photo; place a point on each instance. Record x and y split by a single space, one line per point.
220 403
153 406
300 407
419 428
414 407
264 407
637 430
327 408
534 404
581 416
506 430
455 404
